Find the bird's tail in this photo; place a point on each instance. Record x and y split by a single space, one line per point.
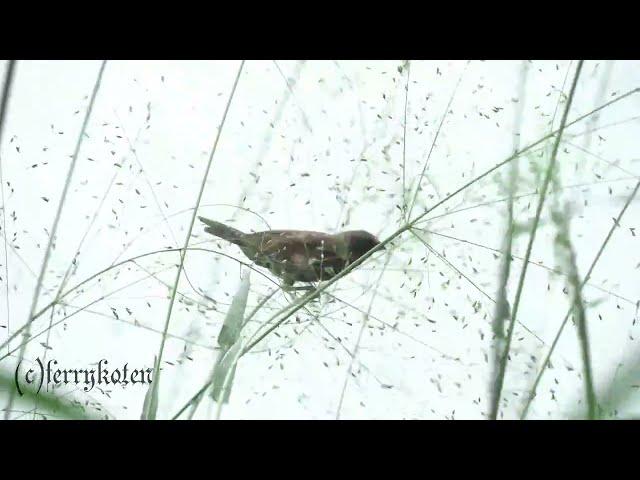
223 231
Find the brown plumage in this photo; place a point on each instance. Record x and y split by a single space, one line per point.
297 255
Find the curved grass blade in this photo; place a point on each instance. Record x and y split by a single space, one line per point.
586 278
183 252
229 340
233 322
54 227
150 406
48 401
499 382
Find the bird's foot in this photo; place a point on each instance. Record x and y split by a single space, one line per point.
291 288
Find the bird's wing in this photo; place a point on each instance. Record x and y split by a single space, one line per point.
299 250
290 242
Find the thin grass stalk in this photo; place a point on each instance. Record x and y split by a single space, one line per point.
229 338
227 379
301 63
562 218
580 309
435 139
4 102
54 228
68 273
631 176
600 96
123 262
395 327
50 400
143 255
486 173
289 310
180 212
505 355
404 141
561 96
466 277
417 220
586 278
531 262
195 399
365 322
134 324
583 336
266 140
604 126
146 178
621 387
81 309
152 414
184 296
602 159
451 265
149 184
502 310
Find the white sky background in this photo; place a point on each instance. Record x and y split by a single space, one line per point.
323 152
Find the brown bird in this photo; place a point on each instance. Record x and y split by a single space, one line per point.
297 255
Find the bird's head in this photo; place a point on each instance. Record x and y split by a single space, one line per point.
359 242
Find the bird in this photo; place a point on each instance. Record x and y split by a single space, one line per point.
297 255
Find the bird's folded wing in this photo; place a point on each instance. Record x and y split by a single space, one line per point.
299 248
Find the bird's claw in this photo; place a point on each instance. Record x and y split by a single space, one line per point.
291 288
